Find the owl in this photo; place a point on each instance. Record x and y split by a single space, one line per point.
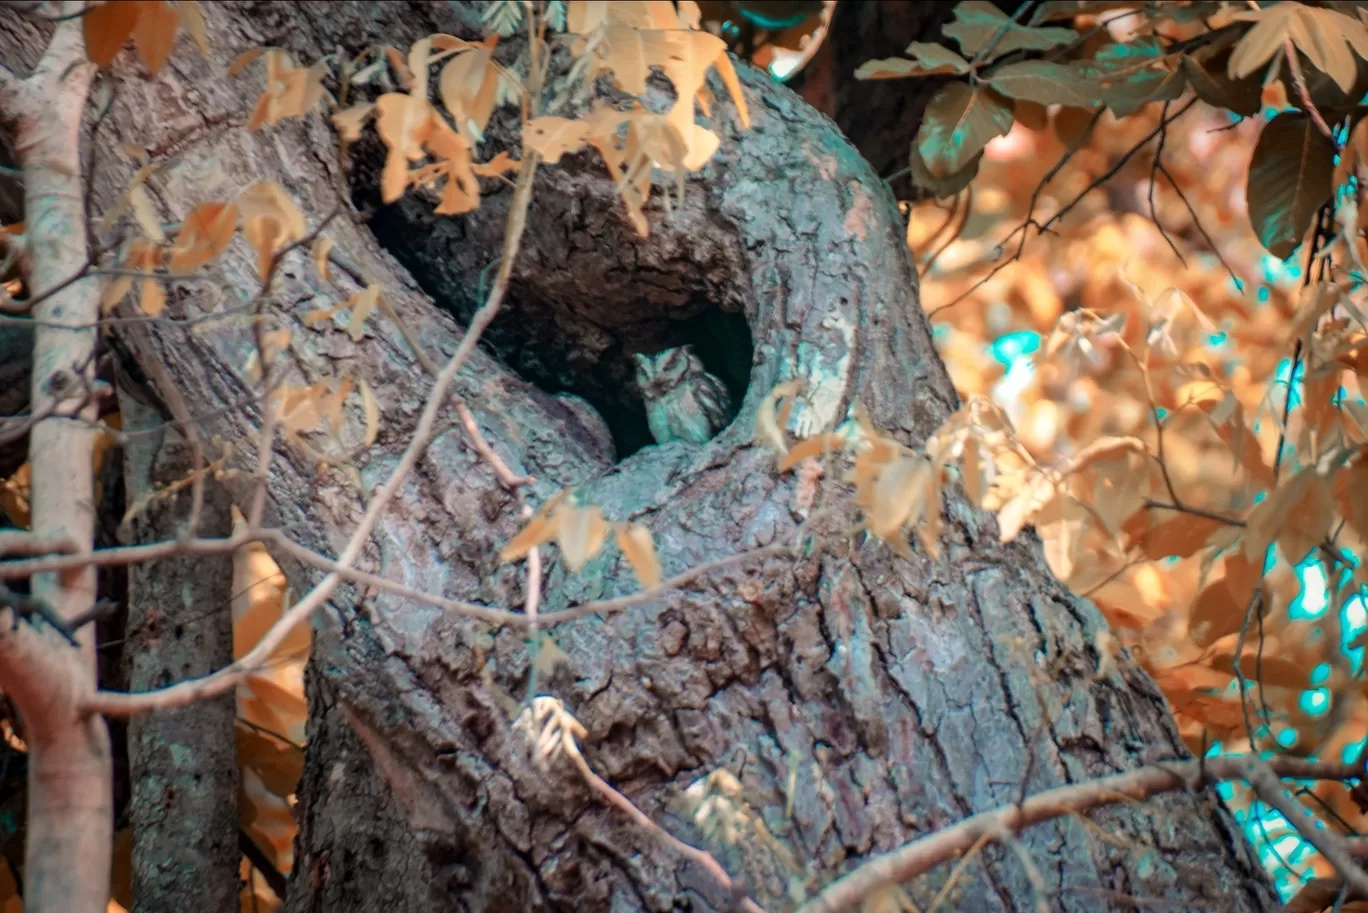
683 401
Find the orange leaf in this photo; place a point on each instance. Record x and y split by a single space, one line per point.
816 445
192 20
320 255
499 164
580 532
349 121
108 27
1182 535
538 531
244 60
153 300
553 137
639 548
1274 671
155 33
204 234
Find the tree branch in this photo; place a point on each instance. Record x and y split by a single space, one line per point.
921 855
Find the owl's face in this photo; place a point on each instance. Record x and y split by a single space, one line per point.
660 373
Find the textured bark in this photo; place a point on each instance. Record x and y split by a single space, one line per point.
879 698
182 762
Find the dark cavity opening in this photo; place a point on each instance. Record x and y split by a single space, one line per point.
576 345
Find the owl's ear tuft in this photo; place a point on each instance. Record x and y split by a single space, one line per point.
643 363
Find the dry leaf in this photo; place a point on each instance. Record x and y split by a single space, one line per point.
321 246
203 235
638 547
192 20
107 27
538 531
155 33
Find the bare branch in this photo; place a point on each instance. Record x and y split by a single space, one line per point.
921 855
1331 845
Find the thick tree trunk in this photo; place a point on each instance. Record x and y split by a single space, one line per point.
861 699
182 763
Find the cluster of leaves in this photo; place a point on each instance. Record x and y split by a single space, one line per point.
1227 56
1189 442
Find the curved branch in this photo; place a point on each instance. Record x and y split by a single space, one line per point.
919 856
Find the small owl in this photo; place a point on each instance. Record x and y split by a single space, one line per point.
683 401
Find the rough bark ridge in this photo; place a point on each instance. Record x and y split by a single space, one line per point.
883 698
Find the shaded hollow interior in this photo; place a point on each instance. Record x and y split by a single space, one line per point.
571 328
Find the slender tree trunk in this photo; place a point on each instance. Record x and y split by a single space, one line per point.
860 698
70 770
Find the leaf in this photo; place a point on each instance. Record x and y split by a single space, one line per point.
350 121
1181 535
814 446
1297 515
203 235
1325 36
977 23
1351 495
769 425
1289 180
370 408
145 213
722 63
270 222
244 60
321 246
1044 83
538 531
403 122
107 27
1208 75
897 497
958 123
503 163
940 188
468 84
1136 73
1273 671
155 33
192 20
115 292
152 300
580 532
278 765
1316 895
361 305
927 60
639 548
553 137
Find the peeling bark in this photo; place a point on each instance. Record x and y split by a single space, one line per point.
183 762
880 697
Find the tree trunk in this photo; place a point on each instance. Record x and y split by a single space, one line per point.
862 699
182 762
